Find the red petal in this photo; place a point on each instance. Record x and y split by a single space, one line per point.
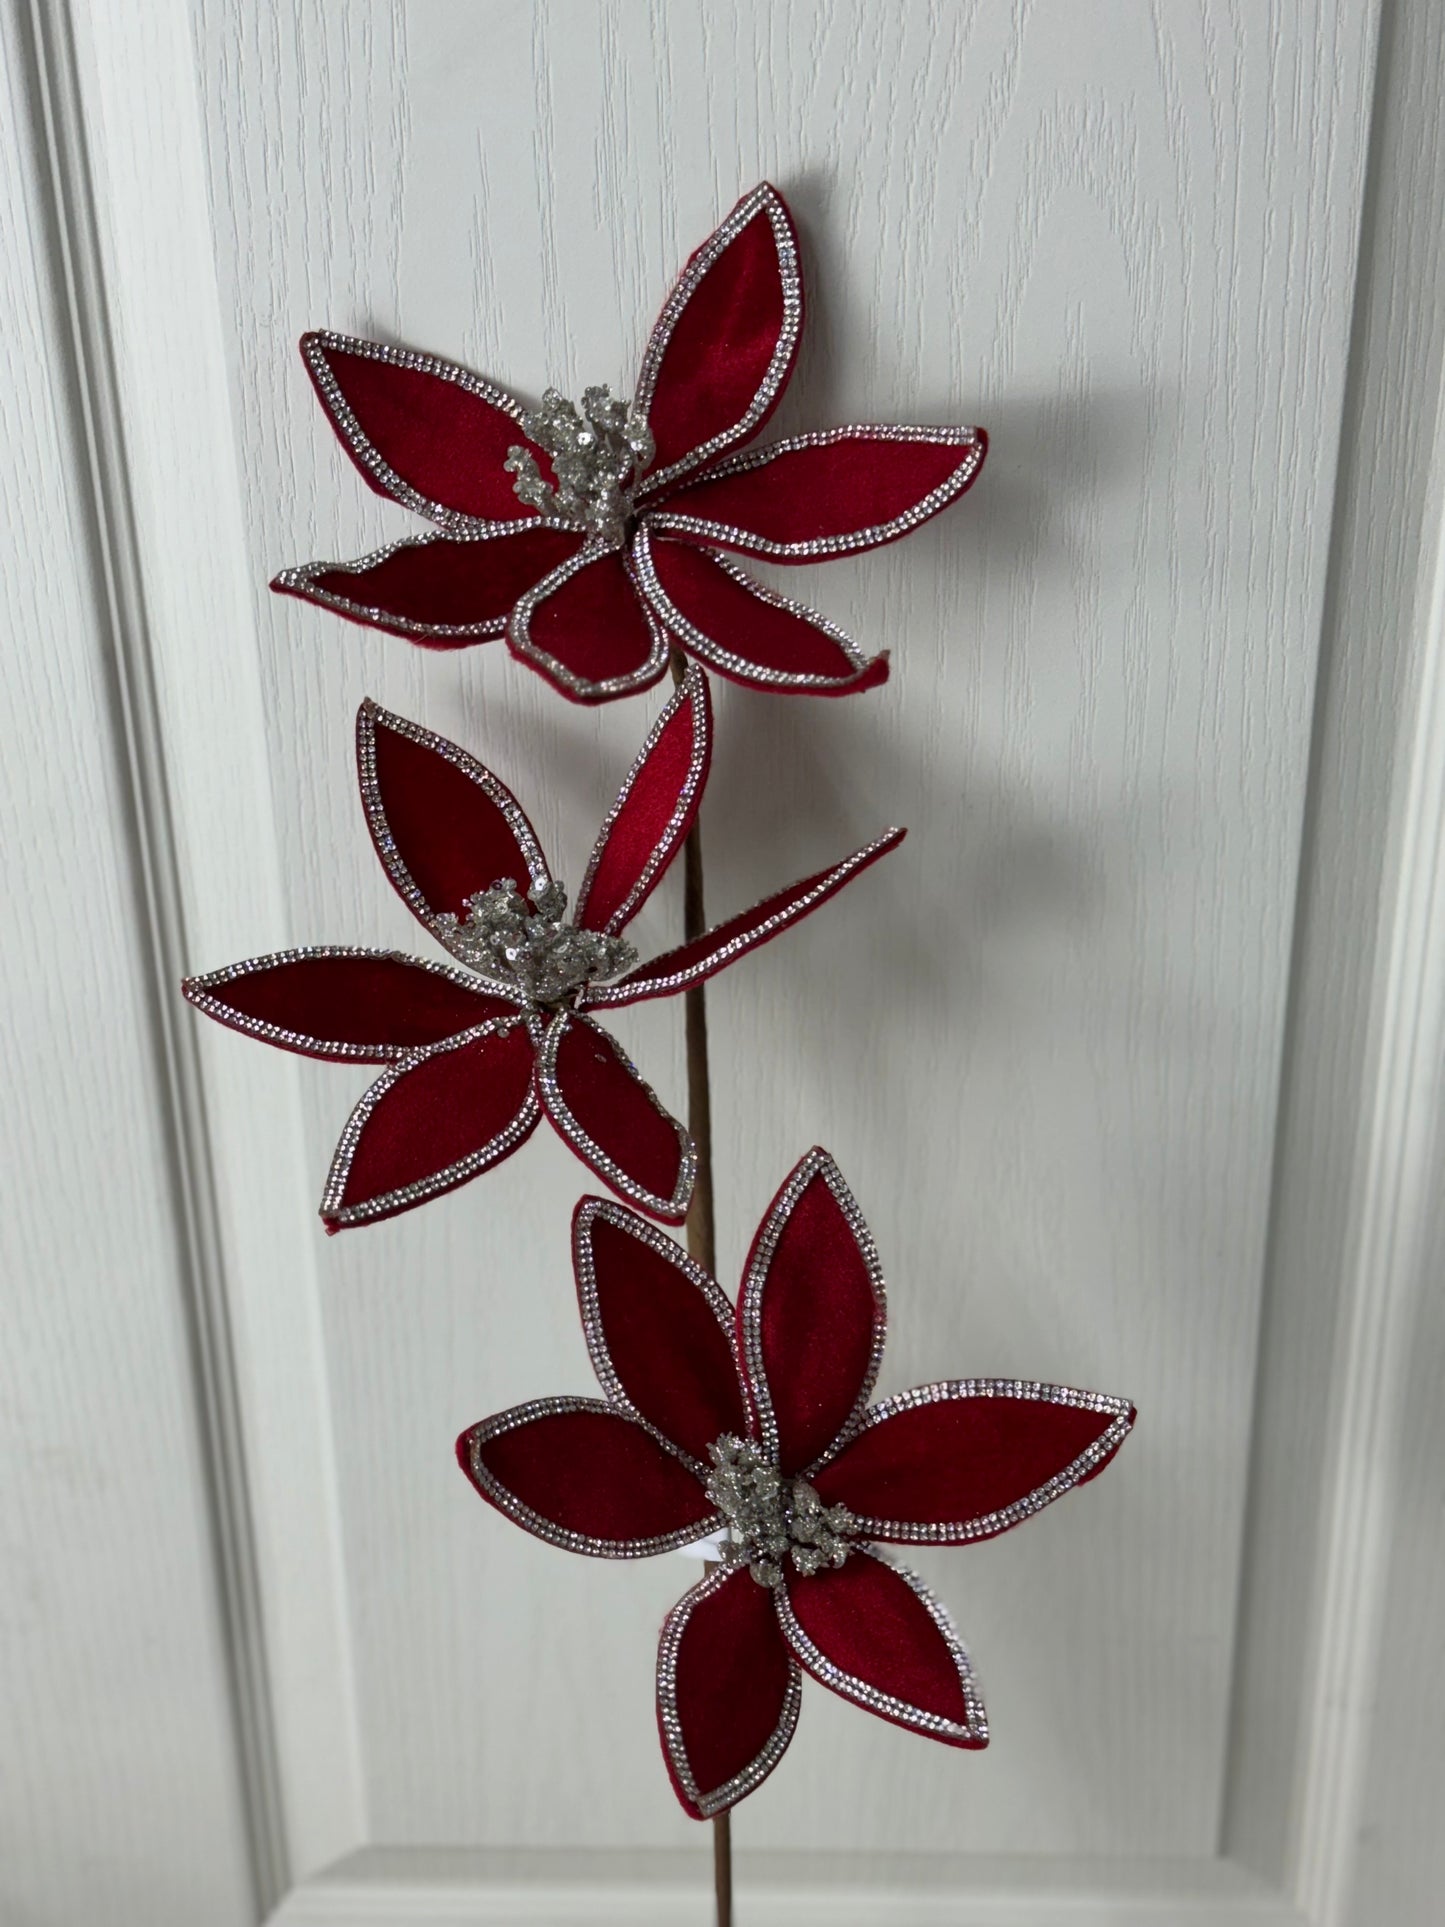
430 434
440 590
612 1120
810 1315
585 628
816 496
728 1692
971 1457
658 1328
691 962
444 827
583 1477
432 1122
744 631
329 1001
872 1632
654 811
724 344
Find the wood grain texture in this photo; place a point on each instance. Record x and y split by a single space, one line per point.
1043 1039
119 1797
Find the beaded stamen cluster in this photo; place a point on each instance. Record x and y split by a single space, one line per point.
771 1518
596 454
527 942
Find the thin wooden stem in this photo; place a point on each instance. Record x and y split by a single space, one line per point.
701 1223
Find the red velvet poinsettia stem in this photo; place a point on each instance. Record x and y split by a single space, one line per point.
701 1225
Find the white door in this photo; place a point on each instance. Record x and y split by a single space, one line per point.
1130 1053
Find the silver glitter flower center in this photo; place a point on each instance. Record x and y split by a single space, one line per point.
526 942
771 1518
597 455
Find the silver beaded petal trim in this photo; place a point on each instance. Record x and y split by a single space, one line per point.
726 661
692 689
315 348
544 1528
960 1531
716 1799
674 1209
817 1164
973 1730
519 634
656 979
303 581
197 991
763 197
507 1139
674 518
584 1265
371 717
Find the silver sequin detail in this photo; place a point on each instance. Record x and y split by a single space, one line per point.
712 1800
958 1532
596 453
519 633
678 521
773 1519
762 199
673 1209
523 1515
528 942
973 1729
817 1164
584 1266
656 979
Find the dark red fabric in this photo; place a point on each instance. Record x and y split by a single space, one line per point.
867 1619
441 581
674 1359
710 952
593 624
819 1317
722 345
732 1674
438 1112
742 621
815 490
643 824
592 1471
959 1459
452 837
443 441
345 1005
610 1102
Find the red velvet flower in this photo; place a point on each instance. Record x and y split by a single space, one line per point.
761 1423
593 539
476 1055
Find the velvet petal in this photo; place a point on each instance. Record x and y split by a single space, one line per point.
612 1120
654 811
745 632
585 628
826 494
728 1692
333 1001
585 1478
444 827
811 1315
658 1329
969 1458
691 962
725 342
431 1122
872 1632
422 430
443 591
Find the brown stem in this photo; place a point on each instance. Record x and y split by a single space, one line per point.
701 1224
